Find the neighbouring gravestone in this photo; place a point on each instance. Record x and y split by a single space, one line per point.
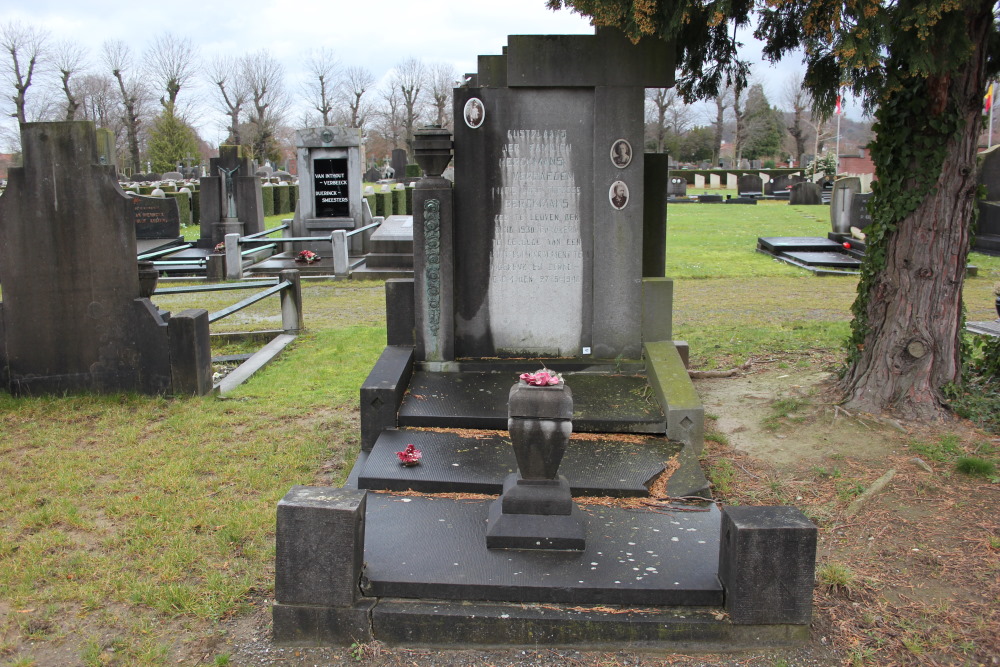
372 175
844 190
549 192
231 200
156 217
72 318
987 238
329 168
173 176
750 185
805 194
859 216
780 186
677 187
398 162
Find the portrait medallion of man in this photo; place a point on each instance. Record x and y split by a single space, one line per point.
618 195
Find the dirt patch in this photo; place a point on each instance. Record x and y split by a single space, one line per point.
749 414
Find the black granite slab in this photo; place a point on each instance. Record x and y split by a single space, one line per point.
797 243
602 403
421 547
836 259
416 623
453 463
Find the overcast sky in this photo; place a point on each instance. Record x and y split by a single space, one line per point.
376 35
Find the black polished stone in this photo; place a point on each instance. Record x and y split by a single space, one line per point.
835 259
421 547
456 463
602 403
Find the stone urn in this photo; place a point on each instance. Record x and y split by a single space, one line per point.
536 509
539 421
148 277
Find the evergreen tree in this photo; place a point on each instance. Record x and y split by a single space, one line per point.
170 141
922 68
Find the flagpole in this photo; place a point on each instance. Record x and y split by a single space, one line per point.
840 112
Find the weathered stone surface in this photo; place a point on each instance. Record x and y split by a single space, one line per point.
319 546
330 170
190 352
69 274
676 394
805 194
156 218
767 561
382 392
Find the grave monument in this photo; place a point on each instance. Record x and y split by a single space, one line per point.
548 251
72 318
231 201
329 165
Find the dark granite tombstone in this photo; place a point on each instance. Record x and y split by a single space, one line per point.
372 175
844 190
987 238
156 217
859 216
677 187
231 200
533 172
72 315
173 176
805 194
781 185
749 185
398 162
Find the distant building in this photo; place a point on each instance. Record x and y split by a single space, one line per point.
857 164
7 160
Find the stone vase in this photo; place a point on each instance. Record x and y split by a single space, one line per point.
148 278
539 422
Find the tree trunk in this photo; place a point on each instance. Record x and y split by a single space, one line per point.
914 308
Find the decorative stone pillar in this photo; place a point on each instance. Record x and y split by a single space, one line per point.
536 510
433 259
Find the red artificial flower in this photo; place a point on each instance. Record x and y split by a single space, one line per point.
409 456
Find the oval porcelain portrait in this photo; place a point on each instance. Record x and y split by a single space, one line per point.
621 153
618 195
474 112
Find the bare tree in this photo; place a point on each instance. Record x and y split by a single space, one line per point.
390 116
133 95
441 78
70 58
321 86
170 62
667 113
739 114
356 82
798 99
409 79
231 93
722 102
268 102
25 48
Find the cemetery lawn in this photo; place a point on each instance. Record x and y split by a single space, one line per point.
140 531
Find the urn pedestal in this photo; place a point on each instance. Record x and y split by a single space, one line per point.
536 509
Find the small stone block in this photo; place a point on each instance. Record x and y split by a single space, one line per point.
566 532
305 625
545 496
399 311
767 560
190 352
319 546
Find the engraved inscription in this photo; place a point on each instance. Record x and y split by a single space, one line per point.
536 263
330 185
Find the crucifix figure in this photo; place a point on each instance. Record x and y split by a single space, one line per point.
230 195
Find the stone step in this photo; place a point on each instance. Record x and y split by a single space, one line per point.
389 260
501 624
477 462
602 403
434 548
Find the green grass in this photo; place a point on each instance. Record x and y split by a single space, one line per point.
125 517
193 232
